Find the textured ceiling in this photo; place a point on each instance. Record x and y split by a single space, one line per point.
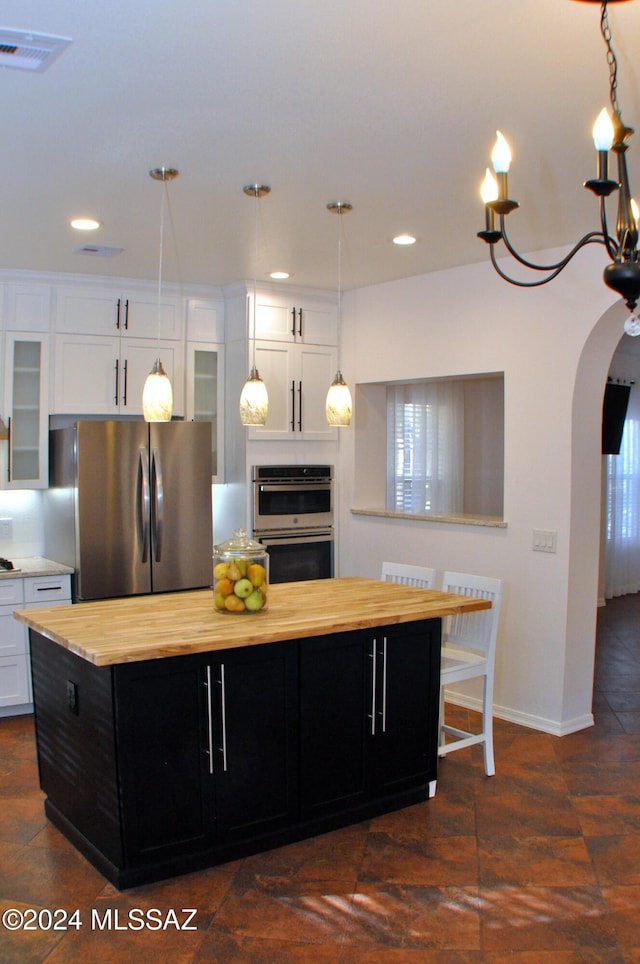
390 106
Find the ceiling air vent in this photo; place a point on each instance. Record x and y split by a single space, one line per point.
25 50
99 250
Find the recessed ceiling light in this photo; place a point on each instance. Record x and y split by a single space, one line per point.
404 239
85 224
279 275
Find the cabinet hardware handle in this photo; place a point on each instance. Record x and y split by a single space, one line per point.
293 322
125 369
223 701
293 404
118 313
48 588
117 381
300 406
372 715
300 322
126 315
384 684
209 751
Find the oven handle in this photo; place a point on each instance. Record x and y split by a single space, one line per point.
294 487
294 538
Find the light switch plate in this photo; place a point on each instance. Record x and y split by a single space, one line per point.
545 540
6 528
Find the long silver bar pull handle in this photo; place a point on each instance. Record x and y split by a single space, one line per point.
373 656
209 721
384 684
223 701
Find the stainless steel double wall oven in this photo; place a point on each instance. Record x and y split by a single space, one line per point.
293 518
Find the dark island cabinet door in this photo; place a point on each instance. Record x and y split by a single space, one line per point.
207 749
408 675
368 716
336 704
161 725
254 759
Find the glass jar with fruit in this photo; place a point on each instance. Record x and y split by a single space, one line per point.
240 575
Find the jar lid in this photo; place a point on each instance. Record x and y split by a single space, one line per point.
240 542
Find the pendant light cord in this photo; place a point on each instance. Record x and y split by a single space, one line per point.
161 256
255 280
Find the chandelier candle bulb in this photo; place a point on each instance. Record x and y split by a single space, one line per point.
489 192
603 132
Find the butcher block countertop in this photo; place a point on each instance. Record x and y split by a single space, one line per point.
127 630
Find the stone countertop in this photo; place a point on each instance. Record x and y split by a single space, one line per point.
35 566
136 628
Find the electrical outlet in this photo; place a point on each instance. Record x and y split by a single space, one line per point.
6 528
545 540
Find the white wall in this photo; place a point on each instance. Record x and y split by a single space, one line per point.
551 342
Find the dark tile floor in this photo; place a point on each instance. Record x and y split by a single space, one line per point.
540 863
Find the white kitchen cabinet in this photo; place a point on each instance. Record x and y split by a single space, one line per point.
105 375
106 343
205 396
27 307
101 310
24 456
285 318
23 593
297 379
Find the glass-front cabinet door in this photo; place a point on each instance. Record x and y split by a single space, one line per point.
205 396
24 452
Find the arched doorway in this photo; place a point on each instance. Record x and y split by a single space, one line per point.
586 459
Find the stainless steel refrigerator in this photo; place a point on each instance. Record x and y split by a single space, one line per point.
129 506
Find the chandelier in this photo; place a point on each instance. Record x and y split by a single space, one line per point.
610 133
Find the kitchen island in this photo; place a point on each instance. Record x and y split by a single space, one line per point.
171 737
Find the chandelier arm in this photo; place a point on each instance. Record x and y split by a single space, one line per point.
609 242
594 237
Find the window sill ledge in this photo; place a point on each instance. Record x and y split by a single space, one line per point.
454 518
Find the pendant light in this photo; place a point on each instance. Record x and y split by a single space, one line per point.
254 399
157 394
338 406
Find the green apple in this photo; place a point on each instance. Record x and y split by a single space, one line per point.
243 588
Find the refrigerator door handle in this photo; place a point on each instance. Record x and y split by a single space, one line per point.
144 505
158 505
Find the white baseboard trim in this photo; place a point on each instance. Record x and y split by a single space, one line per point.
524 719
